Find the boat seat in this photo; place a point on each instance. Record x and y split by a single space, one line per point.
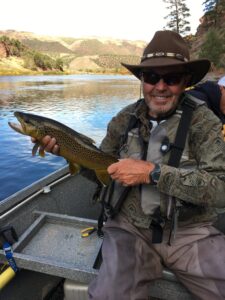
167 288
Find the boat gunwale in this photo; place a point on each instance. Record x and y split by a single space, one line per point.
21 196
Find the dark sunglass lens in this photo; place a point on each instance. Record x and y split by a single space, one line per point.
151 78
173 79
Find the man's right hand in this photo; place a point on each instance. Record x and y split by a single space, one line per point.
48 144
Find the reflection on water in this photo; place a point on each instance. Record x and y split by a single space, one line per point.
85 103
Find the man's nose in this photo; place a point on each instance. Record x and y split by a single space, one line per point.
161 85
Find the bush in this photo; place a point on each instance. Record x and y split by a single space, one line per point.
59 64
14 47
32 59
213 47
45 62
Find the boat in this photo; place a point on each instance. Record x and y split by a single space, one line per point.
43 224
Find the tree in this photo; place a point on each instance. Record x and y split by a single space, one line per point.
214 10
43 61
179 13
13 47
213 47
210 4
59 64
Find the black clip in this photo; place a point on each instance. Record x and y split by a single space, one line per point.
165 146
8 234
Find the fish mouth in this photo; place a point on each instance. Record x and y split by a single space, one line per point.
17 127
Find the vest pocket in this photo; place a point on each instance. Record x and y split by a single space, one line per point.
132 147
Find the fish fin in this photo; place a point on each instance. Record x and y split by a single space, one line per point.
85 138
103 176
41 152
74 168
35 149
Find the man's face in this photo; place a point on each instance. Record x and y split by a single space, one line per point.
162 97
222 100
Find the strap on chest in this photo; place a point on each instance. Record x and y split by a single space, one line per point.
175 157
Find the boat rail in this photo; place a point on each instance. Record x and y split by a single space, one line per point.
46 189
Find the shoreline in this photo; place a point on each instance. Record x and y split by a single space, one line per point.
40 73
211 76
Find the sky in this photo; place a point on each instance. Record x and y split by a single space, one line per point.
122 19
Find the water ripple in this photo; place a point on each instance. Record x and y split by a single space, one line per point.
85 103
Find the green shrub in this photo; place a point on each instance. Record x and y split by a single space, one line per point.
213 47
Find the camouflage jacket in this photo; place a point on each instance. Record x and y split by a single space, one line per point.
202 188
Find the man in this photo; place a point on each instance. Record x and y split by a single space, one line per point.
167 212
213 94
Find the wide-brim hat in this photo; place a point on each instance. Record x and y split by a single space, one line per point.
167 49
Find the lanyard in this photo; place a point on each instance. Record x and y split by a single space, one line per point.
9 256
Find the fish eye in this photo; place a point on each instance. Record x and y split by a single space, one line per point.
26 120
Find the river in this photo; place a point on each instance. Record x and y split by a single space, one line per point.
85 103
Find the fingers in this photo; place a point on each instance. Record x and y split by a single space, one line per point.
115 171
112 168
131 171
48 144
55 150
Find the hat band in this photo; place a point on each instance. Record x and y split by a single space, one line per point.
164 54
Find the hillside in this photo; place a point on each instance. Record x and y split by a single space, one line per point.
79 55
32 53
38 42
204 26
210 35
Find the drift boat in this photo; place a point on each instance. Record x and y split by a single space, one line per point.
44 223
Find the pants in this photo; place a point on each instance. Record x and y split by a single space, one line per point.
131 261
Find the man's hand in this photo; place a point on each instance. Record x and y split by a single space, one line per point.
131 171
48 144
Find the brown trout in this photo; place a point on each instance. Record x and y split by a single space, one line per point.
78 149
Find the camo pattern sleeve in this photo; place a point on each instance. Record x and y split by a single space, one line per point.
205 184
116 130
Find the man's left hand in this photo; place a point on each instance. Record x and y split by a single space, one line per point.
130 172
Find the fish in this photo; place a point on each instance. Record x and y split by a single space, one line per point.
78 149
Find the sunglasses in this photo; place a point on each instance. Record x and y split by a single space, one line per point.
169 78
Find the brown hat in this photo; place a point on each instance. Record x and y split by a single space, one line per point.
166 49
